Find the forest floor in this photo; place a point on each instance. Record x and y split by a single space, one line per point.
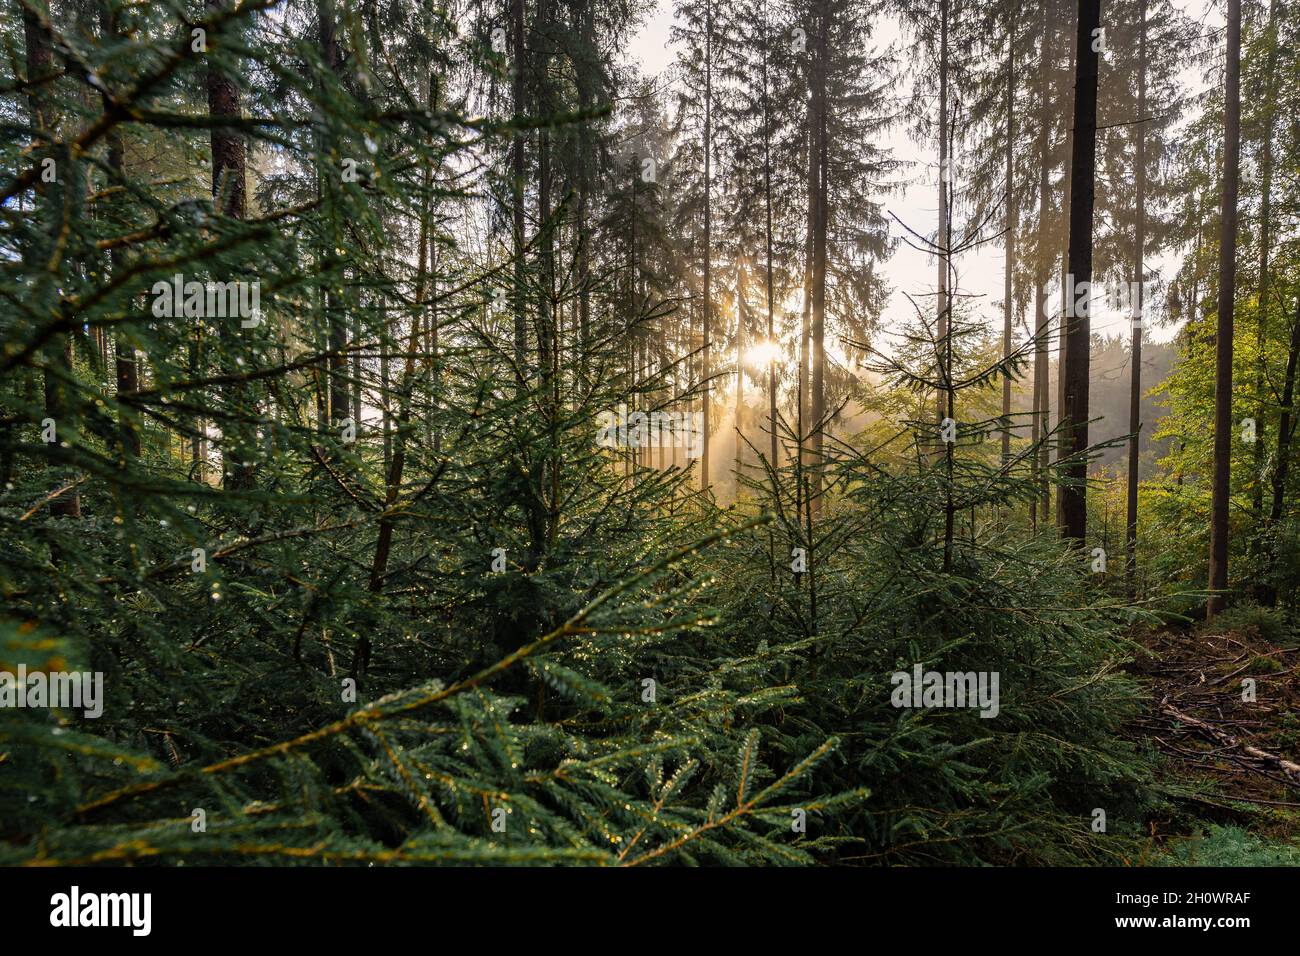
1226 760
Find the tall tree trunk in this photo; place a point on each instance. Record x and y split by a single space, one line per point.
397 429
1009 243
1285 432
586 161
58 358
336 321
401 431
430 339
230 196
385 411
947 394
356 366
435 371
805 319
517 190
1072 501
542 519
1268 97
633 267
126 371
1218 576
546 238
943 304
198 440
767 237
1063 344
1139 275
707 370
1039 425
740 369
817 403
695 333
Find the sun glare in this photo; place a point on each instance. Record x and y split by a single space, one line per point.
761 353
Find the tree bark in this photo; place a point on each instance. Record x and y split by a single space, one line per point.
767 236
740 369
1072 508
228 158
336 322
586 161
707 369
1218 571
1139 274
943 238
1039 425
230 198
817 403
125 370
1285 432
1268 99
39 57
1009 243
518 69
805 319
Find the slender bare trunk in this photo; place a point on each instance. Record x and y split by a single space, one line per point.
517 190
1072 501
817 403
1218 572
1139 275
1285 432
767 236
229 193
1063 344
1009 242
125 367
336 321
942 241
1039 425
740 369
586 160
1268 98
706 357
58 358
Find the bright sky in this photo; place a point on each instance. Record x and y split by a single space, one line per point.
980 272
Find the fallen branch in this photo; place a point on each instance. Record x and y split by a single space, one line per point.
1292 770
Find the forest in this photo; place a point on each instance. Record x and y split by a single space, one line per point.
649 433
